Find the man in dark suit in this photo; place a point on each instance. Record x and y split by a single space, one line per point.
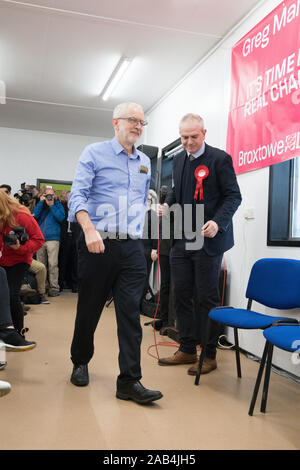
202 175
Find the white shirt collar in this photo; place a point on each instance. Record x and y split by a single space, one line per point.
200 151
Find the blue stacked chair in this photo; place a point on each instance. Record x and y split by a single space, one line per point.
285 336
274 283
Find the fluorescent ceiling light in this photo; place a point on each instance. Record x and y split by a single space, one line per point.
115 77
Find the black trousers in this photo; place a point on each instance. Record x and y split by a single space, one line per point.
122 269
195 277
5 315
15 275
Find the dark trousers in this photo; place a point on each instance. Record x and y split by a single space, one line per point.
195 278
122 269
15 275
5 315
68 262
165 273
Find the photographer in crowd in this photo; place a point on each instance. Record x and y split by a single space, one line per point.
28 196
20 237
34 192
39 270
6 188
49 213
68 257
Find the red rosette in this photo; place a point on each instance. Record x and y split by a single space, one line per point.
200 173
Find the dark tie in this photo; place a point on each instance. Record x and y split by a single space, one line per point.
191 157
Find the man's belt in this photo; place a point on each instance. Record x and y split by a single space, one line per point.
118 236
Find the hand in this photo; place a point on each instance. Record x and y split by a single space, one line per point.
49 203
210 229
94 241
154 255
162 209
16 246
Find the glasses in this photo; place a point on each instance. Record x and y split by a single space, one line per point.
135 121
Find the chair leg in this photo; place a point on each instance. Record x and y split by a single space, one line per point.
237 353
258 379
203 350
267 378
201 359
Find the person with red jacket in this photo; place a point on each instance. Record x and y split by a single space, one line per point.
16 256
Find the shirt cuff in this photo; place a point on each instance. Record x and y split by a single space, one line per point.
73 212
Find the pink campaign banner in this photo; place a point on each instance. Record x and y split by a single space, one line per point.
264 117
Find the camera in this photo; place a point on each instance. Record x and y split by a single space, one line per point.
49 197
24 195
17 233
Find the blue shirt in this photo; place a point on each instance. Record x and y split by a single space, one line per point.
112 187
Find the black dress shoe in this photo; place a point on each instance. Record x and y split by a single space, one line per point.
80 375
136 392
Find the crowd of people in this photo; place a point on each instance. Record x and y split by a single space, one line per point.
37 259
47 263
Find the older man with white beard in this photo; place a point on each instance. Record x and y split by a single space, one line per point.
108 199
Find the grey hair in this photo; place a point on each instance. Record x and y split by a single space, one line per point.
121 108
192 117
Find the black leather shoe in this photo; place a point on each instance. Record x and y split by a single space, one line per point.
136 392
80 375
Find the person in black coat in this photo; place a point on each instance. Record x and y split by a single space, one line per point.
165 245
150 238
203 175
68 250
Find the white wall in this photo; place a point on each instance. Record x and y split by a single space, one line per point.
206 91
28 155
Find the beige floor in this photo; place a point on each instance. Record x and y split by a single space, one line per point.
45 411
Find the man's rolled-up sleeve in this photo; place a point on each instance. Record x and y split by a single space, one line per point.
83 179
